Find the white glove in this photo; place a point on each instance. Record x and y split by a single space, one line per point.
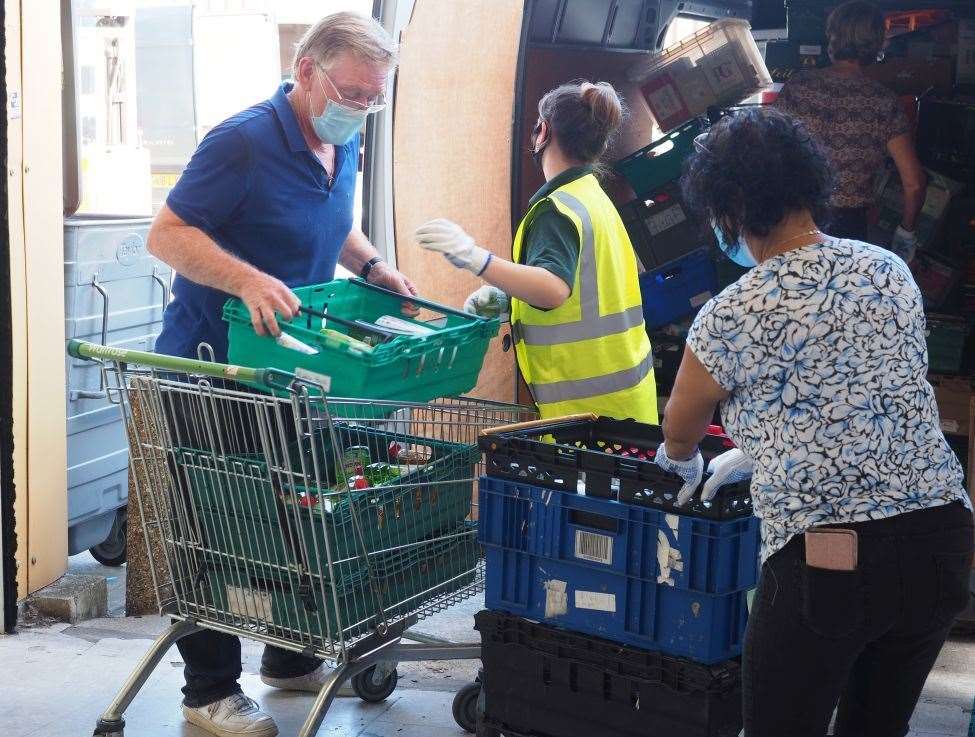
728 468
691 470
488 301
904 244
458 247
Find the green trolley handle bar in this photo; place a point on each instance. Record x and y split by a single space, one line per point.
269 377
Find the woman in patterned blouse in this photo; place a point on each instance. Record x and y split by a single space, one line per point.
818 360
859 122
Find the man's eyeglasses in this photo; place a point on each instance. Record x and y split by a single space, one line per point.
699 144
372 105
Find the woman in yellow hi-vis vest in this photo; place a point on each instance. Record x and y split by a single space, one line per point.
576 312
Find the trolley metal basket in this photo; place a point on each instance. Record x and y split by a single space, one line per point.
321 525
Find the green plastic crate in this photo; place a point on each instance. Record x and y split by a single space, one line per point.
446 363
241 513
401 582
662 161
946 339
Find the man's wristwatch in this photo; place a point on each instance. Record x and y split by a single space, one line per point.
368 266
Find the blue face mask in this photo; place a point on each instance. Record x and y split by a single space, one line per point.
737 252
338 124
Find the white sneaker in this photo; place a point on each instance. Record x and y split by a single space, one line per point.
234 716
311 682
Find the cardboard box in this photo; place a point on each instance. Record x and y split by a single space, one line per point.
955 397
907 76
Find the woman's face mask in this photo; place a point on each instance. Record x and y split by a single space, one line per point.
737 252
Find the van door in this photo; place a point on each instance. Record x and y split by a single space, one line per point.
447 145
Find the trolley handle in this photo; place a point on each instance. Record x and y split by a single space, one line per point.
269 377
419 301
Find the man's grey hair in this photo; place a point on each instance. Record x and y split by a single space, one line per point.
346 33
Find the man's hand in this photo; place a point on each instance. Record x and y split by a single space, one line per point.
264 296
384 275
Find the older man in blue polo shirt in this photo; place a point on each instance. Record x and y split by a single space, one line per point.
265 205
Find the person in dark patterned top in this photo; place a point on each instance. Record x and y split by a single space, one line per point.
858 122
818 361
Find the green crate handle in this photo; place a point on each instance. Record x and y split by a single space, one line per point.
424 302
269 377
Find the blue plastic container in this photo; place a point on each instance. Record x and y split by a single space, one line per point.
634 575
678 289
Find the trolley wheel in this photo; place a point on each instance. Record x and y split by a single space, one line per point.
465 707
113 549
110 729
368 689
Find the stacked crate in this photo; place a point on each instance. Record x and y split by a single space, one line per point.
606 601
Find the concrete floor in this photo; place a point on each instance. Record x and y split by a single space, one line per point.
56 679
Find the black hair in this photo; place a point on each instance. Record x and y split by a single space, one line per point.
584 116
752 169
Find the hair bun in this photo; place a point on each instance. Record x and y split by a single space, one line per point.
603 103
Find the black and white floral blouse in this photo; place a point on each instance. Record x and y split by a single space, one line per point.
823 350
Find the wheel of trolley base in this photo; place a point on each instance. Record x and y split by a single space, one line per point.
113 549
110 729
465 707
368 689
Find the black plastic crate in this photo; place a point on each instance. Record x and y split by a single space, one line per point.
539 681
661 228
606 458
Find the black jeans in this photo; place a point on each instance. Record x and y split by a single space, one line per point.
866 639
212 659
847 222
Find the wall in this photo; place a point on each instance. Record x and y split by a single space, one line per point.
36 259
452 146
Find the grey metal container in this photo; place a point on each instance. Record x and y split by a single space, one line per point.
114 293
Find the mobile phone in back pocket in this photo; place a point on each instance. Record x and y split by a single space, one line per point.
832 549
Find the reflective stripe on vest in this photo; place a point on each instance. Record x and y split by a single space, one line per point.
591 324
576 389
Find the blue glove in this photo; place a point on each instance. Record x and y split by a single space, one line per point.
691 471
728 468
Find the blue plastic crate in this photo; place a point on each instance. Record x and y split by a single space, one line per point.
643 577
678 289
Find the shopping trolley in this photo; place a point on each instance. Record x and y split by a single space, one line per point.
321 525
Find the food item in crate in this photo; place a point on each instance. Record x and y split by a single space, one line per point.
404 327
292 343
358 482
355 459
413 457
334 339
381 473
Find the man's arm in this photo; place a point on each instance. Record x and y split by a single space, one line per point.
357 251
195 255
